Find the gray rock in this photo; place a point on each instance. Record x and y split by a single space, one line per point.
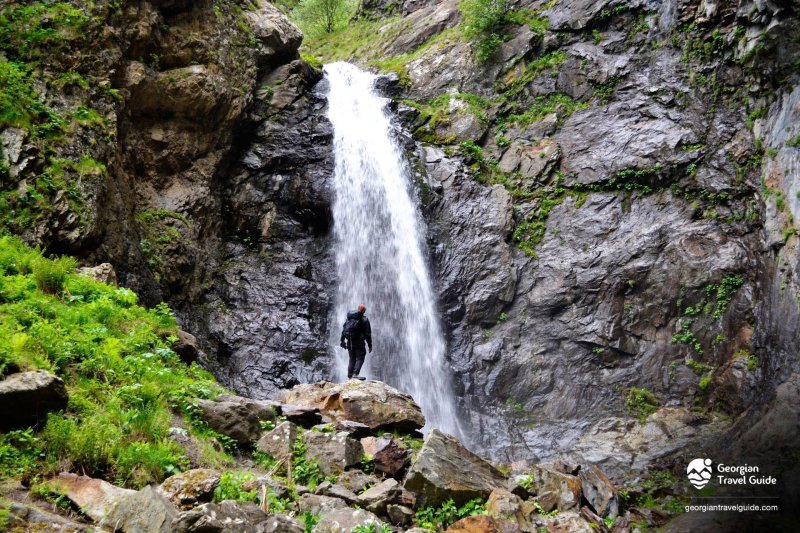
145 511
399 515
326 488
277 523
104 273
279 441
186 347
236 417
566 487
444 469
344 520
356 480
389 456
319 505
225 517
599 491
24 517
335 452
373 403
277 36
375 499
27 397
190 488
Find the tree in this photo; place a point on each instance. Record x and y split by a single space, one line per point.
317 17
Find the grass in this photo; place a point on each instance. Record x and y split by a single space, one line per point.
641 403
124 380
441 517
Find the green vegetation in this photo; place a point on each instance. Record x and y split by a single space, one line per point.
123 379
541 106
723 291
483 24
319 17
641 403
371 527
437 111
526 481
231 487
685 335
794 142
37 28
440 518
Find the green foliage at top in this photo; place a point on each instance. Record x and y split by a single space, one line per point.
122 376
641 403
320 17
483 24
440 518
34 29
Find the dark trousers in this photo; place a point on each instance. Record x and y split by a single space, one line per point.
357 354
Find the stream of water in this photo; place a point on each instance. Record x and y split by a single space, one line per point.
379 250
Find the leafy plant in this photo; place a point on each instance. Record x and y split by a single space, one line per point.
304 471
371 527
441 517
51 275
526 481
231 487
641 403
483 22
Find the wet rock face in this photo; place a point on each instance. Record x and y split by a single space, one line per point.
264 318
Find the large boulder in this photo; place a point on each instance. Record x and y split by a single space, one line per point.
95 497
186 347
344 520
599 491
335 452
502 504
278 442
326 488
318 504
567 488
445 469
104 273
389 456
190 488
278 523
145 511
27 397
377 498
356 480
236 417
373 403
278 38
26 518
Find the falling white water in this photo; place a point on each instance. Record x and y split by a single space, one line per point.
378 243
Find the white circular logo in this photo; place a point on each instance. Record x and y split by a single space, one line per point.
699 472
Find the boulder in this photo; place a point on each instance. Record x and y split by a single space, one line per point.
599 491
565 486
335 452
186 347
225 517
389 456
27 397
236 417
326 488
94 497
278 523
483 524
399 515
357 430
278 38
145 511
373 403
25 518
278 442
302 415
344 520
356 480
191 488
502 504
444 469
317 504
104 273
375 499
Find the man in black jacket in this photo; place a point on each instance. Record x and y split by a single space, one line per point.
356 332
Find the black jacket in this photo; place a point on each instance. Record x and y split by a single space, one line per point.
364 331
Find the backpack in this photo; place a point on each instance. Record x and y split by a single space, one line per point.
352 326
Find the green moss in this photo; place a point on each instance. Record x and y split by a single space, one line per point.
641 403
38 28
541 106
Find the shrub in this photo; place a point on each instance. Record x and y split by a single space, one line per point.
483 22
440 518
641 402
231 487
51 275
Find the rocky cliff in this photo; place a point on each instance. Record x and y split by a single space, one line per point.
610 199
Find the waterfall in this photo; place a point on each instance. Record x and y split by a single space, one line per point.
379 250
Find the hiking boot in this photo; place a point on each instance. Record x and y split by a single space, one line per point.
360 378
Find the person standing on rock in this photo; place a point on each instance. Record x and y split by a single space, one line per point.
356 337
